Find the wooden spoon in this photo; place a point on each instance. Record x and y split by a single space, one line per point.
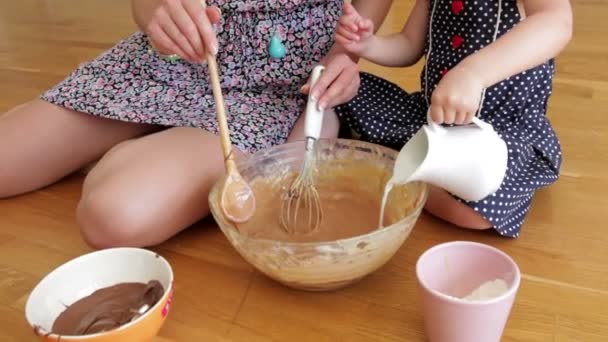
237 198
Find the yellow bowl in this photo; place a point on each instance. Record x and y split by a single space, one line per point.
82 276
327 265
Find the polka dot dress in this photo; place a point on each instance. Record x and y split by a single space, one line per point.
385 114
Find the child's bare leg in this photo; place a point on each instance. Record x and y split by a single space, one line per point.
41 143
146 190
444 206
329 130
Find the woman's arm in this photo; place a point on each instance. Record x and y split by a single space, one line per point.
542 35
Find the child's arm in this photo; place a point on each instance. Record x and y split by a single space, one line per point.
540 36
340 80
396 50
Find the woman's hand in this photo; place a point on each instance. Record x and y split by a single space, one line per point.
457 96
181 27
338 83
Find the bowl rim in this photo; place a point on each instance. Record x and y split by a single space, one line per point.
39 331
247 160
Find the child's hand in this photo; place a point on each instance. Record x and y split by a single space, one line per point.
183 27
353 31
457 96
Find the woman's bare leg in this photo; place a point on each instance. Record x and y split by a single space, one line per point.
146 190
41 143
444 206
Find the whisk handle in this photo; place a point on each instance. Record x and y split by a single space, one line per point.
314 117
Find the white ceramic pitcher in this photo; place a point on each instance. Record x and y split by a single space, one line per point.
468 161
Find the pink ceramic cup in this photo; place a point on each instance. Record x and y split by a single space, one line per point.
450 271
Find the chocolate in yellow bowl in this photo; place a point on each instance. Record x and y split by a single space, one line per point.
349 244
119 276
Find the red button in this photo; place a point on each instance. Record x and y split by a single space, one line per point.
444 71
457 41
457 6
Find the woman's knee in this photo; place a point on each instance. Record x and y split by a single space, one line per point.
7 183
444 206
11 179
6 179
106 220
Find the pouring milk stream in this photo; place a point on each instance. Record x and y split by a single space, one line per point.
468 161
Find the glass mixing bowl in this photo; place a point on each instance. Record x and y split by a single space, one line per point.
327 265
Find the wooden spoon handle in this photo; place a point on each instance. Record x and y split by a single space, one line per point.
220 109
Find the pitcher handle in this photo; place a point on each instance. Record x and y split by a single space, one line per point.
438 128
432 125
482 124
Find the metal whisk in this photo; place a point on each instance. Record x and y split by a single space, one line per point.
301 210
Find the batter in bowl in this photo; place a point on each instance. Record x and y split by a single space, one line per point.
351 205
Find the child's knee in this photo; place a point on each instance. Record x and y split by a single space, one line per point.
331 125
329 128
445 207
106 221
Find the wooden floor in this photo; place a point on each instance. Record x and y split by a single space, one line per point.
563 251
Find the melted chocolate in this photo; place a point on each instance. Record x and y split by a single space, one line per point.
108 308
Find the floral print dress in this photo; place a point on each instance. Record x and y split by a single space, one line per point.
131 82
